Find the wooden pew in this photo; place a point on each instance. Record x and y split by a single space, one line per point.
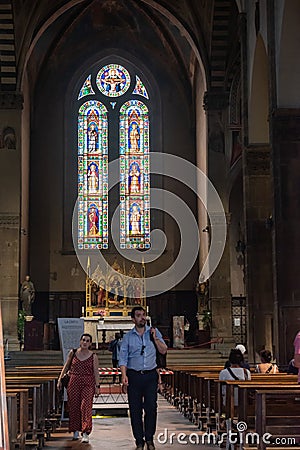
245 411
12 418
202 397
279 419
180 388
231 385
22 414
39 395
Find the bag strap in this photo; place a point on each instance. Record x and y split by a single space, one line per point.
233 374
154 343
70 363
269 369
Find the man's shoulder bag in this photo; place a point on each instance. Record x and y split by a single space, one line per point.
161 360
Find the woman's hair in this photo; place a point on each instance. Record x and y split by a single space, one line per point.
89 336
265 356
236 356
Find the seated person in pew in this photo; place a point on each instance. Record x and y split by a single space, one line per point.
292 369
297 354
234 372
266 365
244 363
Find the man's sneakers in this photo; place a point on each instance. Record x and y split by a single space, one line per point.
75 436
150 445
85 438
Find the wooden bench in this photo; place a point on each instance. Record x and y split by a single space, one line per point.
21 414
39 405
231 385
278 413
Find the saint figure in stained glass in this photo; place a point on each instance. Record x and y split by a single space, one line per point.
134 137
92 138
93 220
93 178
134 179
135 219
92 175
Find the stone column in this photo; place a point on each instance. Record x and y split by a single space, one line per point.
286 238
10 169
216 106
220 297
258 267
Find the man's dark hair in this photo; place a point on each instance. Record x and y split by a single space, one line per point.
236 356
134 309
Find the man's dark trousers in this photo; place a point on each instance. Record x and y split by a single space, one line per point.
142 394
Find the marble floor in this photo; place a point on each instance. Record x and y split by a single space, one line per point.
111 433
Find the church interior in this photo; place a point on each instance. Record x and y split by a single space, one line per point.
86 83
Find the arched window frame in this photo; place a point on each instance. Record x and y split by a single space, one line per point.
142 199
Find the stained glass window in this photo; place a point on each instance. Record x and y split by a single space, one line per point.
86 88
139 88
92 176
113 80
134 176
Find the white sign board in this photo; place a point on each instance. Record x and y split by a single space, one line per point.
70 331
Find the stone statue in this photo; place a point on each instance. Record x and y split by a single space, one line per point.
27 295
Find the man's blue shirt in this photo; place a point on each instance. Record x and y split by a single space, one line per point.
137 351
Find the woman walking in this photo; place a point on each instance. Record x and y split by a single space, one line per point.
83 368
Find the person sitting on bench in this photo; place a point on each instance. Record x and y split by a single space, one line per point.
266 365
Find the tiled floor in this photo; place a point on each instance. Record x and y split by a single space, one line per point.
111 433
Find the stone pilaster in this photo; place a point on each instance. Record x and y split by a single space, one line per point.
216 106
10 176
258 268
285 125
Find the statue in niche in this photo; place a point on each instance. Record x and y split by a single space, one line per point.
27 295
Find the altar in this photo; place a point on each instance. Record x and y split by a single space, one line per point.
110 297
103 330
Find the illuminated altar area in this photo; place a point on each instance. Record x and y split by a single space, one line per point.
110 299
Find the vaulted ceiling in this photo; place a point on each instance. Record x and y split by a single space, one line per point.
179 30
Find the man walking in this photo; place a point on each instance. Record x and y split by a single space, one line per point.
137 361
